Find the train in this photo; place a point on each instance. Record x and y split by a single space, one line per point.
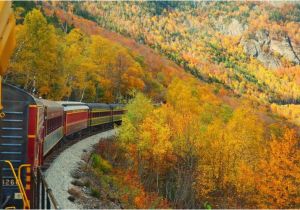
32 128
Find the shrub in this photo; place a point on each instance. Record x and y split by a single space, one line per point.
102 165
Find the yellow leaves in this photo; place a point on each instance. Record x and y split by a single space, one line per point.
137 110
193 33
227 149
128 132
73 65
117 65
37 55
45 90
183 97
155 135
290 111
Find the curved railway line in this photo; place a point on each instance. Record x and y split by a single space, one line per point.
33 133
65 144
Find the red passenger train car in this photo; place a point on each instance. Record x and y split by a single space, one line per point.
76 116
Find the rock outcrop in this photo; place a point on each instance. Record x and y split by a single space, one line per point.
261 45
262 37
252 48
258 47
285 49
269 60
235 28
231 28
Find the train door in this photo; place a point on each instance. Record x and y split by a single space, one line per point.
40 135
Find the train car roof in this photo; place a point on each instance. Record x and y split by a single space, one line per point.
73 105
98 105
72 108
117 105
49 103
53 109
13 93
70 103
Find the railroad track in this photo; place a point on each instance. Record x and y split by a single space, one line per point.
65 144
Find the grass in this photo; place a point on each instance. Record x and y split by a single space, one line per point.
100 164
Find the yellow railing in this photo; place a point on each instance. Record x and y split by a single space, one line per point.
26 204
20 169
11 207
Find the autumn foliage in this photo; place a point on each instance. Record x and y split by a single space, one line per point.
194 150
193 34
74 66
183 143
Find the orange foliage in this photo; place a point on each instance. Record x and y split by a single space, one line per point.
278 177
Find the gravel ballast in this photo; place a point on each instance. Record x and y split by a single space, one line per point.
58 175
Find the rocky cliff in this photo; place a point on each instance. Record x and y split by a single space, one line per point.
259 44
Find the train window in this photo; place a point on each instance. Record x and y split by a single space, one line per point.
105 114
53 124
101 114
119 112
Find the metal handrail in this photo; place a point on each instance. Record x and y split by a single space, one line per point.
20 186
41 181
56 206
19 169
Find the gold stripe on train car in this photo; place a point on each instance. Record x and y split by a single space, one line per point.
100 110
68 124
76 111
100 120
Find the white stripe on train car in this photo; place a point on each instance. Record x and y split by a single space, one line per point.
73 108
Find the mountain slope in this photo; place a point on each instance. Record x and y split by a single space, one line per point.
250 48
157 64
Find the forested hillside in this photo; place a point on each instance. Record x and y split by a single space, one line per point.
55 64
251 48
201 133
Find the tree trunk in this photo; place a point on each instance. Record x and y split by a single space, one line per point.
82 95
157 184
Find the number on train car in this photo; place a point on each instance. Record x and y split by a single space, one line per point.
8 182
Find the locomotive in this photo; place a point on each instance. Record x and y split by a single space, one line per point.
32 128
